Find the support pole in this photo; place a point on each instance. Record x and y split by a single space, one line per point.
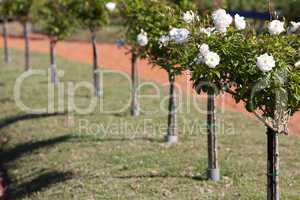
135 107
5 41
27 46
96 69
273 165
53 70
213 172
171 137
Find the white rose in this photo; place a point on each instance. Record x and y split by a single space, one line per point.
239 22
297 64
188 17
208 31
218 13
179 35
276 27
204 49
265 62
111 6
142 38
295 27
212 59
221 20
163 41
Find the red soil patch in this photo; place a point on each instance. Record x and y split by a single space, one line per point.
115 58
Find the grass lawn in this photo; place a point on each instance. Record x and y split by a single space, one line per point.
53 157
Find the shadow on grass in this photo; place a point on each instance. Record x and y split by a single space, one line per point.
21 149
11 120
4 100
44 180
39 183
196 178
84 138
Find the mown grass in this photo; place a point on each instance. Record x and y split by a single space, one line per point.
52 157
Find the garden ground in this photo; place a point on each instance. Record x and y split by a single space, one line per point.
51 157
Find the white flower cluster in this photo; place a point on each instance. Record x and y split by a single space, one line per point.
276 27
208 31
189 17
221 20
142 38
163 41
179 35
111 6
295 27
239 22
265 62
211 59
297 64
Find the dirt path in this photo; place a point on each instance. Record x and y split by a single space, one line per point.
115 58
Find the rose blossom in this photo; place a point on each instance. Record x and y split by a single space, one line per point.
295 27
111 6
179 35
163 41
212 59
265 62
239 22
188 17
208 31
221 20
142 38
276 27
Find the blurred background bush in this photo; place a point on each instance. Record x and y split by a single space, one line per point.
290 9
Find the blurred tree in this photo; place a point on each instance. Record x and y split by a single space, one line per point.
23 11
5 14
290 9
185 4
147 23
128 12
93 15
58 21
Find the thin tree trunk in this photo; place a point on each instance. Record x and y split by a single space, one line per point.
96 73
135 108
5 40
273 165
213 168
172 130
27 46
53 69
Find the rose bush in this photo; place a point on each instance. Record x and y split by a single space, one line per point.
159 32
260 70
247 59
94 15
